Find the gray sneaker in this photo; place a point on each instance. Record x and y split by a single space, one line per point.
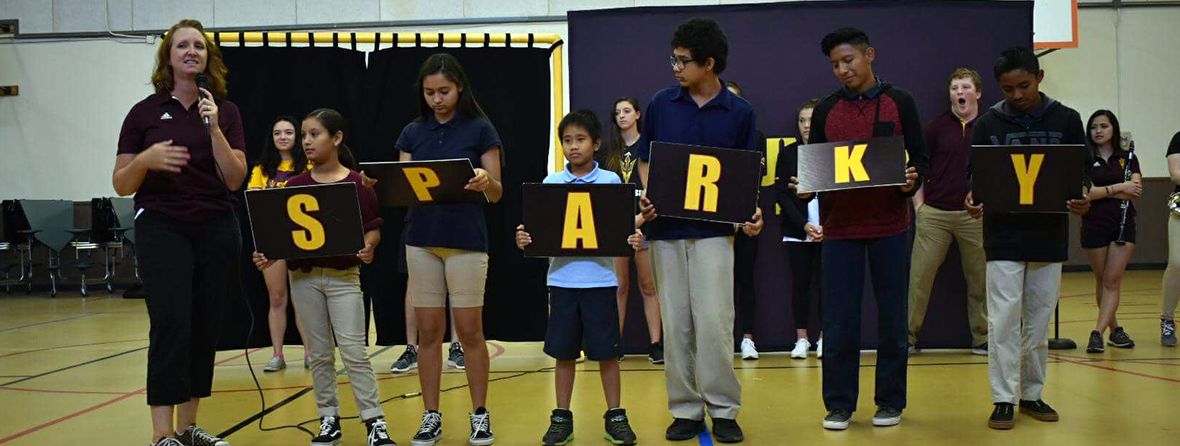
455 357
887 416
1119 338
406 362
1168 332
276 363
195 436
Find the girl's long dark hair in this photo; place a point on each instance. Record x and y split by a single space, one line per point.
270 158
613 145
448 66
1115 138
334 122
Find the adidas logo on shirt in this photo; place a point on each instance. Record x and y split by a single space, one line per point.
165 116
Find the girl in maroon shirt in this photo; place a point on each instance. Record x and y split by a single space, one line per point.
1103 225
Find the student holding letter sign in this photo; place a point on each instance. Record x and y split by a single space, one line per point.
328 289
583 313
693 259
1024 250
867 222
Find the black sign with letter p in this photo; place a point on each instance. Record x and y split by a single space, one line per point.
306 221
704 183
585 220
418 183
1027 178
852 164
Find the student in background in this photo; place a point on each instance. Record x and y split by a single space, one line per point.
447 245
867 224
1025 251
328 289
802 235
281 159
942 217
693 260
1107 238
1171 285
619 155
745 258
582 296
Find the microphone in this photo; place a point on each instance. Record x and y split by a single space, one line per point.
203 82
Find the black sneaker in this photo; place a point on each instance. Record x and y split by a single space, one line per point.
684 429
1120 339
431 430
195 436
455 358
887 416
1095 345
1039 410
561 428
379 433
837 419
1167 332
618 429
622 357
727 431
407 361
657 353
167 441
1002 418
330 434
481 428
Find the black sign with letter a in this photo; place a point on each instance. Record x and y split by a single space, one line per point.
306 221
582 220
1027 178
704 183
852 164
417 183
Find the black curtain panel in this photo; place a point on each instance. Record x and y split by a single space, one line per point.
513 86
774 54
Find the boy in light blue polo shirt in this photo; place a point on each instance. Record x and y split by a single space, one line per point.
582 290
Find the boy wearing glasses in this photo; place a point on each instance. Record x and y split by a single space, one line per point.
693 260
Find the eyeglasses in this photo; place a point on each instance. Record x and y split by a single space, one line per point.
678 63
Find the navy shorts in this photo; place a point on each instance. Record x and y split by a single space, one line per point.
583 319
1094 238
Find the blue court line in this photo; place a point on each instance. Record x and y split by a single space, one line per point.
705 438
3 330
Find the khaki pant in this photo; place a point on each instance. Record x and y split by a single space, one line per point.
436 273
694 279
1021 297
330 301
936 229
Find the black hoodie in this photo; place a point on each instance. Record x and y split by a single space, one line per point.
1029 237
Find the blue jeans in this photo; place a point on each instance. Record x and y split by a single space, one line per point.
843 288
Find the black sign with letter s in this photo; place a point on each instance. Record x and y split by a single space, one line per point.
306 221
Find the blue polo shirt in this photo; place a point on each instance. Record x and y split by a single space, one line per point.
727 121
582 272
448 226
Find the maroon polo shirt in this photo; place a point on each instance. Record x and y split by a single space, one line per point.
949 140
197 193
370 215
1107 213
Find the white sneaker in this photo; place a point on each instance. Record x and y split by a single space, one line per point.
819 348
801 348
748 350
276 363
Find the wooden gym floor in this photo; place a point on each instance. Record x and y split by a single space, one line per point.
72 372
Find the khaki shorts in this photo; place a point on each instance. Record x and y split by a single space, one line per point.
437 272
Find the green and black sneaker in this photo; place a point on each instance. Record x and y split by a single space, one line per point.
618 429
561 428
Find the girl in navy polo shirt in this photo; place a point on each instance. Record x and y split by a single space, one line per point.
1108 253
328 290
447 245
280 161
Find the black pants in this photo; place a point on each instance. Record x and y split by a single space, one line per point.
186 269
804 259
845 262
745 256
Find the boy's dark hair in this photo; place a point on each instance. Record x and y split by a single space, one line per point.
851 36
1017 58
704 38
582 118
735 86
